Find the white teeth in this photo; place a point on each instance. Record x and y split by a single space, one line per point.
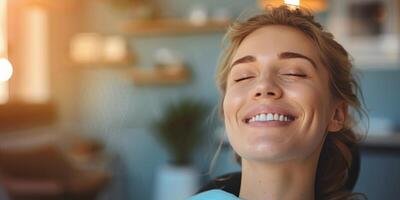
269 117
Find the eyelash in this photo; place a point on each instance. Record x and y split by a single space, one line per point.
298 75
244 78
289 74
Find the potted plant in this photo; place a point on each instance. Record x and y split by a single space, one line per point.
180 130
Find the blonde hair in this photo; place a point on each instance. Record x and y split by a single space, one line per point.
336 156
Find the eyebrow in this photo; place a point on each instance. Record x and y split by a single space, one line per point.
288 55
283 55
245 59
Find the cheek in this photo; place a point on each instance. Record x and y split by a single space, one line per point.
312 100
315 101
320 101
312 97
233 100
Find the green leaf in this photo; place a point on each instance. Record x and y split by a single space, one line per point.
181 128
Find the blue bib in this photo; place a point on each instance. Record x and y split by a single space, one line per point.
214 195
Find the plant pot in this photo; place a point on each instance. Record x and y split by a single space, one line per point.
176 182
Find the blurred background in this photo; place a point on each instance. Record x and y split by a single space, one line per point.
115 99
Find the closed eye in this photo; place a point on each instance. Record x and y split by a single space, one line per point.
244 78
298 75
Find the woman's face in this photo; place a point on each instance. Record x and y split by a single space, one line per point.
278 104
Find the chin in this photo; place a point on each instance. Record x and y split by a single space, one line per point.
267 152
276 153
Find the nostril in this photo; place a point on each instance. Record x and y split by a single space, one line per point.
258 94
271 93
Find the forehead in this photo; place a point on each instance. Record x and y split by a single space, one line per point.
273 39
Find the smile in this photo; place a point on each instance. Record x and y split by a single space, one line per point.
266 117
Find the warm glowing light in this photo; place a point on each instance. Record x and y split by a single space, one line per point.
4 93
3 28
293 2
314 5
34 67
6 70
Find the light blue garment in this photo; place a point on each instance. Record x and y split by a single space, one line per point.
214 195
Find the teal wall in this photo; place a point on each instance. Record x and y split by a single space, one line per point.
382 93
120 113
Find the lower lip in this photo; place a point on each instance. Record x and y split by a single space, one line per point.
269 124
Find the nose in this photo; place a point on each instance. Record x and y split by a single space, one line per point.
267 88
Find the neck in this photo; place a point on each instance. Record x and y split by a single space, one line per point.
279 181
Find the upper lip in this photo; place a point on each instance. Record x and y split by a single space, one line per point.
264 109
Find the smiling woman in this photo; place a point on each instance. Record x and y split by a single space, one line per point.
277 85
286 88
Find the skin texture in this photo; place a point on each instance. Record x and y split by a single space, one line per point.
277 67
